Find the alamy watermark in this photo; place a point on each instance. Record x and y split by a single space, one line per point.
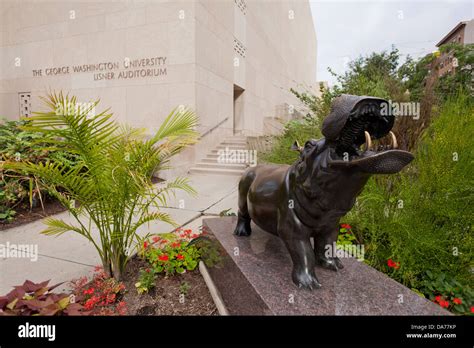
76 109
239 156
405 109
23 251
345 250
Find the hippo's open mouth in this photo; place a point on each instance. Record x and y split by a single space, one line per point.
362 137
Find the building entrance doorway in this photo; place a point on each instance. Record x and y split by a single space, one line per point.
238 110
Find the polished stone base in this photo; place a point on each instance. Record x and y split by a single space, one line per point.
255 279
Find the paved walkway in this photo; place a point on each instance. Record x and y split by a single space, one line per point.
70 255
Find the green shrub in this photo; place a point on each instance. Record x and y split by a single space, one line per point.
173 253
180 251
17 188
295 130
448 293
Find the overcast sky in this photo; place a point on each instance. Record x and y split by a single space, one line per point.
347 29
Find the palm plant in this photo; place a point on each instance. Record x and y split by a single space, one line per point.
112 181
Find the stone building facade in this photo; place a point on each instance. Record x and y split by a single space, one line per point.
232 61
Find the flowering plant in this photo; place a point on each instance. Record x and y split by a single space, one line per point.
172 255
101 295
448 293
177 252
393 264
345 237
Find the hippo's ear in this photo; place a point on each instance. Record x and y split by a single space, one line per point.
296 146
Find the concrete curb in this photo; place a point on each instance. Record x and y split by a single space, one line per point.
216 296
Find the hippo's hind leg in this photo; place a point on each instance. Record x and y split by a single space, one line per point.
243 223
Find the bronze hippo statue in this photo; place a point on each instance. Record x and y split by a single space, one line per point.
307 199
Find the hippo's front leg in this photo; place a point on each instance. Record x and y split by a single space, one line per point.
301 252
324 239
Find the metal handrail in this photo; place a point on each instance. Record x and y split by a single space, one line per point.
211 129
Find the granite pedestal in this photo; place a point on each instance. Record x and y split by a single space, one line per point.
255 279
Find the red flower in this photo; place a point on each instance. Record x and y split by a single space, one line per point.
163 258
444 304
472 309
393 264
147 270
188 231
175 244
110 298
90 303
195 235
156 239
89 291
179 257
145 244
457 300
438 298
346 226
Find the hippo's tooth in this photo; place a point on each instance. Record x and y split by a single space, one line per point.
368 141
394 140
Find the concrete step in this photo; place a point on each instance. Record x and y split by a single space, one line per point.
215 160
233 142
216 171
220 165
209 160
224 149
210 164
231 146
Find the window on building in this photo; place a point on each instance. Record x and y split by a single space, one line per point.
25 104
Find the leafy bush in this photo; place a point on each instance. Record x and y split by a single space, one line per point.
112 182
37 299
448 293
315 108
100 296
173 253
180 251
17 188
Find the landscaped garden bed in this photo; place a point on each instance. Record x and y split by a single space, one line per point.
181 294
24 215
23 198
105 174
